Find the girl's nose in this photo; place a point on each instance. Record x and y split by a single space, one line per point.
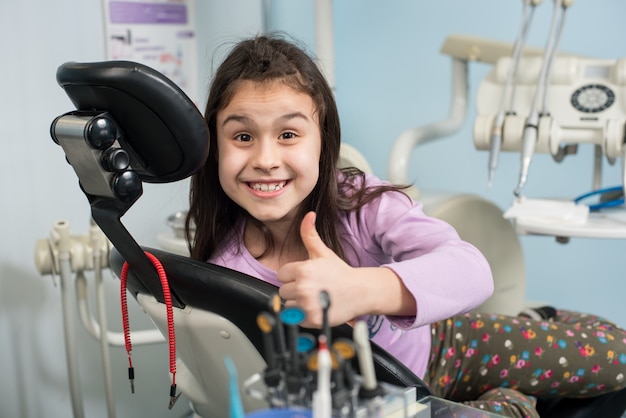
267 156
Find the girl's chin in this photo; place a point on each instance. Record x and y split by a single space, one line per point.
268 217
271 218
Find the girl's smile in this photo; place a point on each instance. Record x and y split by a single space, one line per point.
268 189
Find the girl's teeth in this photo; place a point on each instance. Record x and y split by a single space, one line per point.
264 187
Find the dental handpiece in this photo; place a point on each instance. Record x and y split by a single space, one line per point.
530 134
529 139
322 397
494 151
325 303
366 362
496 133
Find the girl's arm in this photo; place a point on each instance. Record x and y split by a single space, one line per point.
353 291
429 274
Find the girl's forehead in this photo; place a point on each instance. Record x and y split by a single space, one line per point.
249 95
250 87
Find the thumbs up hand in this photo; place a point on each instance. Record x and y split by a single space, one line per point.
324 270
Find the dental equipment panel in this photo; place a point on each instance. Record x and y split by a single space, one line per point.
555 102
537 101
588 106
584 104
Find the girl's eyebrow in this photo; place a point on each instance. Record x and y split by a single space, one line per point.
248 121
237 118
293 115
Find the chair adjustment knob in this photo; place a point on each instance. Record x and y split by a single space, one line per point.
126 185
101 133
115 160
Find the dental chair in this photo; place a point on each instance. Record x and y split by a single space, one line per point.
133 125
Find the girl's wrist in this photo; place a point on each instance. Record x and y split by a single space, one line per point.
385 293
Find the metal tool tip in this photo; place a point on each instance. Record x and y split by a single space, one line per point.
325 299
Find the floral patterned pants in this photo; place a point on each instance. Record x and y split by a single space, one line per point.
502 364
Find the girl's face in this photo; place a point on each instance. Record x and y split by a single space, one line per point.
269 144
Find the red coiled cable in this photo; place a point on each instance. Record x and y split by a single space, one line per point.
170 322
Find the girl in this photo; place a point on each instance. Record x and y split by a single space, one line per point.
270 202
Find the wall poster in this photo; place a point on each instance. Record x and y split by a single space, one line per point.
157 33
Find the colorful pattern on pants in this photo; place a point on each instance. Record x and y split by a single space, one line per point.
571 355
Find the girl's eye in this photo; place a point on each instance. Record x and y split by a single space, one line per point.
287 135
243 138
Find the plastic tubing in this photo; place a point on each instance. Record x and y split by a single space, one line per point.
104 346
116 339
63 230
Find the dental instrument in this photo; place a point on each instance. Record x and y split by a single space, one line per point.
292 317
369 386
236 407
267 324
529 135
322 398
496 135
325 302
275 306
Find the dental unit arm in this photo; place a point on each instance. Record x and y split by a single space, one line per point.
590 109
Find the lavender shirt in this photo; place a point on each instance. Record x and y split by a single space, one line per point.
446 275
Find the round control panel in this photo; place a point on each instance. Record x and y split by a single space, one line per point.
593 98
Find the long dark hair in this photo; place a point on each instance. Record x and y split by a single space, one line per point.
212 213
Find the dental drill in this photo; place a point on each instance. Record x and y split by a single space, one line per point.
529 136
496 134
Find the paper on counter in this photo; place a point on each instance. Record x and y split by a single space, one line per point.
545 210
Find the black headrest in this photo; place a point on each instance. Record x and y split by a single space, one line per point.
163 130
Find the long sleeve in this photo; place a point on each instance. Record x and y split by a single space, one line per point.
445 274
